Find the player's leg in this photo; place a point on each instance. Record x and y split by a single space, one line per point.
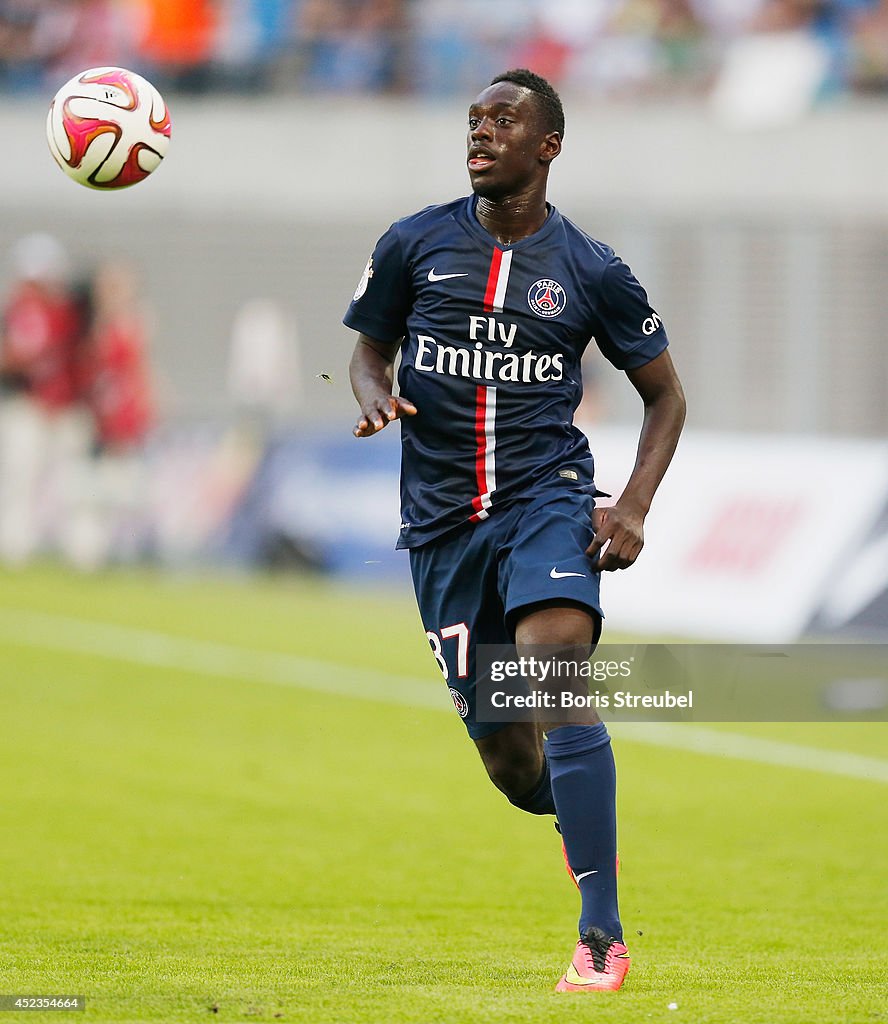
569 768
559 612
456 580
516 763
581 765
583 779
515 756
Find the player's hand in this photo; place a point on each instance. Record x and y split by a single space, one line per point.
619 537
381 412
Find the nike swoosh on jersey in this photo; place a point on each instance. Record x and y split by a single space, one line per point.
556 575
443 277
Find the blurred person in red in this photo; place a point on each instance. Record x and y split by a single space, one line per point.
42 426
113 363
116 386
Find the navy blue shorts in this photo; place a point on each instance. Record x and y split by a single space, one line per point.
472 583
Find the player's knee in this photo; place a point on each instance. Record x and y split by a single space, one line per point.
515 775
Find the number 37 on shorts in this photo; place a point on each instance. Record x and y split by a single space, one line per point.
458 633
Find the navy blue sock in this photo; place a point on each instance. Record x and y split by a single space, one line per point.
584 783
539 799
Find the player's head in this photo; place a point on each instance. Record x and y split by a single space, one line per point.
515 129
547 99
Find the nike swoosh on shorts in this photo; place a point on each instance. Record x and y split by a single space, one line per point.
556 575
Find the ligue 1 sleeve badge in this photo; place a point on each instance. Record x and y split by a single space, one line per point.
546 298
365 280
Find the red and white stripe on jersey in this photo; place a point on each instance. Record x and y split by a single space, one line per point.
497 281
485 407
485 452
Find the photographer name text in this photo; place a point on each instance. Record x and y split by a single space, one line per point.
565 699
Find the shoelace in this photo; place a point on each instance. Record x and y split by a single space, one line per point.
596 948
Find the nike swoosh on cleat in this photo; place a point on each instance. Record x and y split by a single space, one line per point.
556 575
443 277
585 874
575 978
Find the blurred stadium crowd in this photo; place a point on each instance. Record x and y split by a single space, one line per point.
430 47
75 405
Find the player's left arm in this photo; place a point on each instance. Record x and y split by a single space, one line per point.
620 529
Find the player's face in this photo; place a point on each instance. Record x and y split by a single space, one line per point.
508 148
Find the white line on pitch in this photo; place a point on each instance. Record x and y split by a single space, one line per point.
699 739
184 654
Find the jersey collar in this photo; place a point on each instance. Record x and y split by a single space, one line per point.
550 224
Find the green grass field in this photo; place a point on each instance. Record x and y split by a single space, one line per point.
204 818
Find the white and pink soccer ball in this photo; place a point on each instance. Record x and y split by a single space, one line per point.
108 128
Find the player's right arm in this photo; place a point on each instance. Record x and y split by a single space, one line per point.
372 374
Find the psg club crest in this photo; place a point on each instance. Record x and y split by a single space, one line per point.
459 702
546 298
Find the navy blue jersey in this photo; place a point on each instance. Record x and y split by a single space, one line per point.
493 336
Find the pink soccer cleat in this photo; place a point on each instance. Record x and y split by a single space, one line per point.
600 963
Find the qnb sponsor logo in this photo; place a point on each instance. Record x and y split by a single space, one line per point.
477 364
651 324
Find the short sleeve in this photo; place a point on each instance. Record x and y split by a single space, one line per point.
382 299
630 333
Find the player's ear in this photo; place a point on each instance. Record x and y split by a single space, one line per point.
550 147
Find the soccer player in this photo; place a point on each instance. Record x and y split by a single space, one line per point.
491 300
